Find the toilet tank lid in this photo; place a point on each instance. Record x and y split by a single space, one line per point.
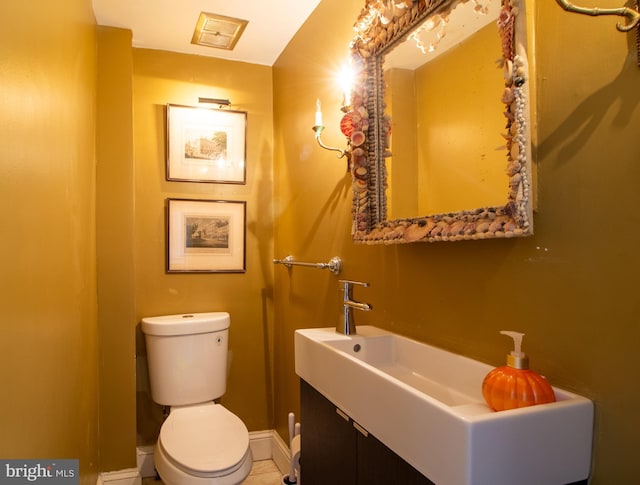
186 324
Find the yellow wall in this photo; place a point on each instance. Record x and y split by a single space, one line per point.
312 189
49 343
115 258
571 287
161 78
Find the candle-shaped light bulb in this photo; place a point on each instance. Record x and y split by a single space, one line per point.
318 114
346 81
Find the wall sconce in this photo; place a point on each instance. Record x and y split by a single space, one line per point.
318 127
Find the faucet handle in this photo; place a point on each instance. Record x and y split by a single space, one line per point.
347 283
347 290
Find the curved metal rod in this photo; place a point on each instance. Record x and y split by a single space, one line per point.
633 16
318 130
334 265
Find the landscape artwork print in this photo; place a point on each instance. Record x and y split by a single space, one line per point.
207 233
206 236
206 145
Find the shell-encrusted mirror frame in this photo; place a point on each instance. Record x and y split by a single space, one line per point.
374 37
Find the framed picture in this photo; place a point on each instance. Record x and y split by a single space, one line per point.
206 145
206 236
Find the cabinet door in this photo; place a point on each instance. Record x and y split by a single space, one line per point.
378 465
335 450
328 441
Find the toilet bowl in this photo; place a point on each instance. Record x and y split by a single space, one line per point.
200 442
203 445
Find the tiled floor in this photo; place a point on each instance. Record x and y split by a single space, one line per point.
263 472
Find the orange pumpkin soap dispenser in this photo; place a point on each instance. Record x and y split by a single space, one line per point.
514 385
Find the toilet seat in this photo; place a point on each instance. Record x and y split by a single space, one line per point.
205 440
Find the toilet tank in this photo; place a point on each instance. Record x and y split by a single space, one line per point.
187 357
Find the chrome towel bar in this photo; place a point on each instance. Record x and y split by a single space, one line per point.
334 265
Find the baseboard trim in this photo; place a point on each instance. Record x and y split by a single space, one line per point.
144 459
260 443
130 476
265 445
280 453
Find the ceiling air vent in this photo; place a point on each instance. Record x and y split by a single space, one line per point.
218 31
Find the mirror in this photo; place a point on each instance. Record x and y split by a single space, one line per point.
440 150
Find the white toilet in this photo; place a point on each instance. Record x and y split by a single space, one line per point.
201 442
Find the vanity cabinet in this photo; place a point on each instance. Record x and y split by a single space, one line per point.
335 449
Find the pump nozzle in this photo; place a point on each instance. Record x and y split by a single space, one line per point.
517 358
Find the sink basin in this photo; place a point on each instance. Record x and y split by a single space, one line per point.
426 405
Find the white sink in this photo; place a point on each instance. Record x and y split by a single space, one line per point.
426 405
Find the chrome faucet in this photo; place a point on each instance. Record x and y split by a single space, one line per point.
347 325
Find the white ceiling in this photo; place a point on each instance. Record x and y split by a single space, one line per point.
169 24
